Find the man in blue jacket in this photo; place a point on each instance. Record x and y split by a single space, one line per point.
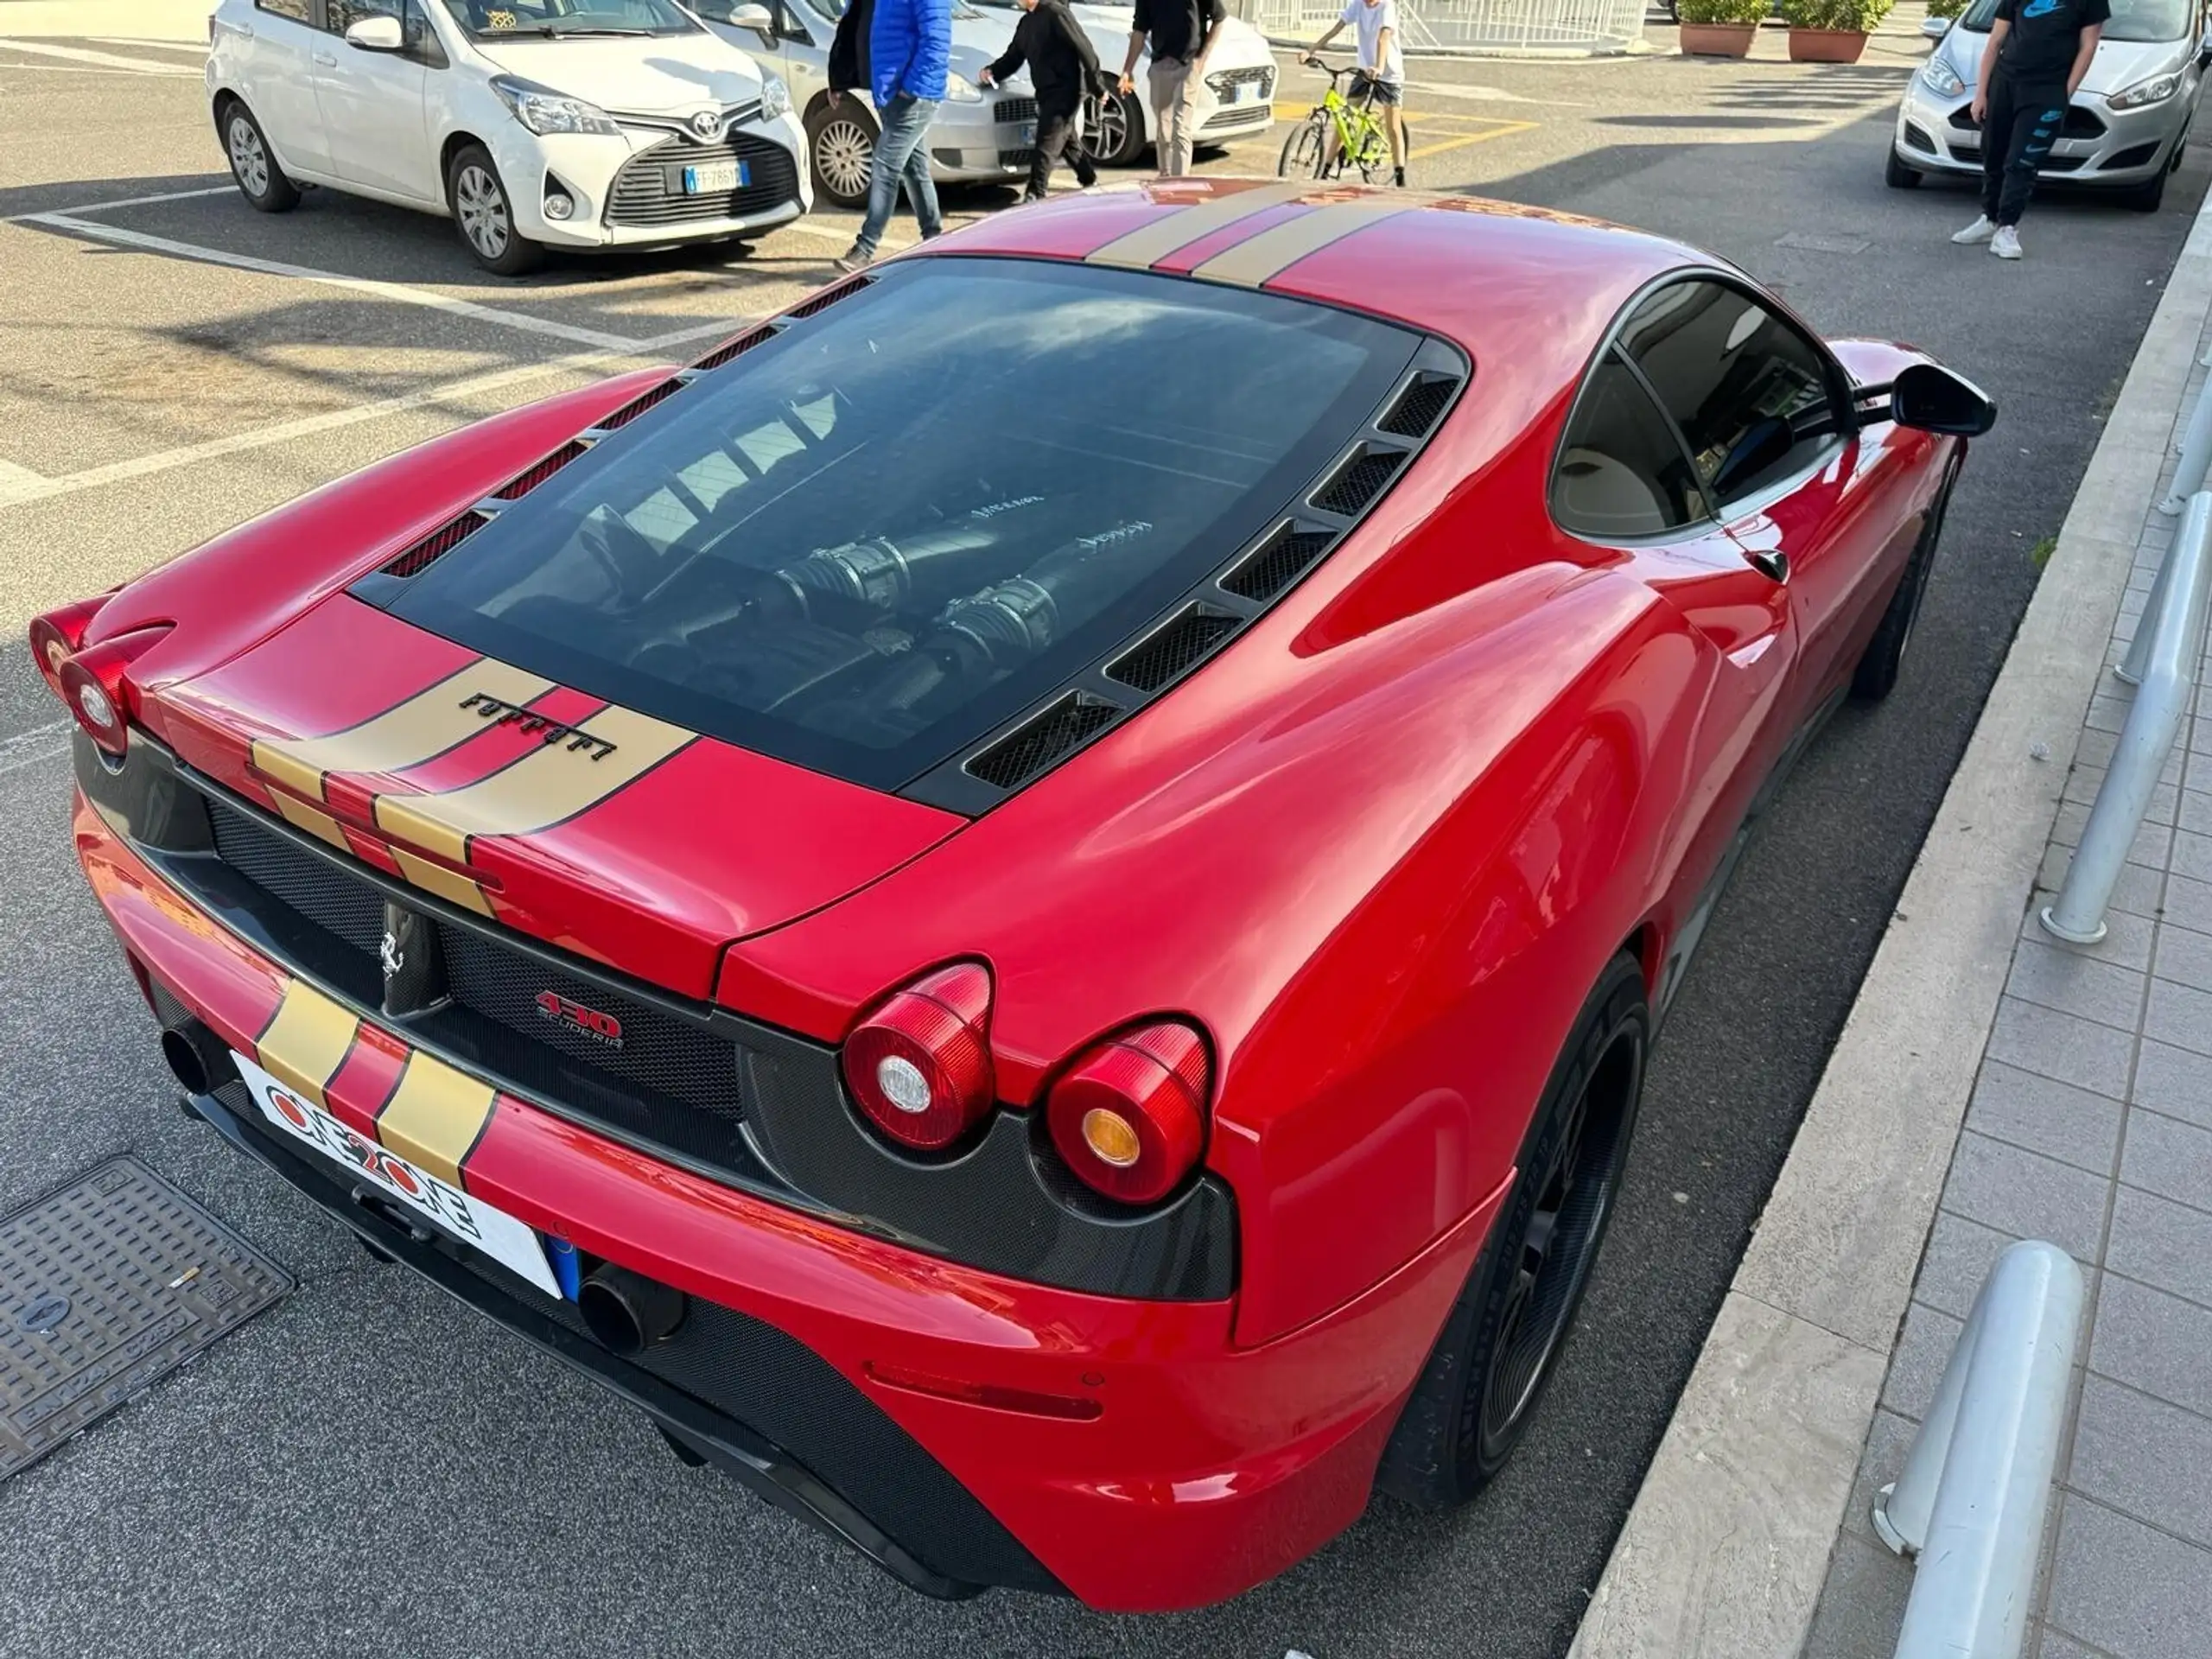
909 44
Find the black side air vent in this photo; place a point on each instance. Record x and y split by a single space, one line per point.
1044 740
1360 479
523 482
435 545
1276 562
830 297
1174 650
730 348
1424 398
640 404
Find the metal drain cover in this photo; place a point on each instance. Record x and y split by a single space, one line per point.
104 1286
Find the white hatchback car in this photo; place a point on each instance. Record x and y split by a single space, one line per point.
533 124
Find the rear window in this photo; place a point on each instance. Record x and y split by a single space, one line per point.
863 545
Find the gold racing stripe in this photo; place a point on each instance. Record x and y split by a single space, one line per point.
1148 245
1263 257
547 786
313 819
307 1041
435 1115
427 724
449 884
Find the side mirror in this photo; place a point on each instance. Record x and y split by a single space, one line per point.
378 34
1933 399
752 18
1935 28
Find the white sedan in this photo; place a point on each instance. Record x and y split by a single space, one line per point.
574 124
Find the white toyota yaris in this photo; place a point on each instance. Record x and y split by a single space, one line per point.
533 124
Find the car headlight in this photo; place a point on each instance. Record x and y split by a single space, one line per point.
775 97
1939 78
2157 90
958 89
543 109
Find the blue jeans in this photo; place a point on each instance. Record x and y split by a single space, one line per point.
899 158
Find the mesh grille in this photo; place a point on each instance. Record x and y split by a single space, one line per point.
1016 157
1285 557
828 297
318 890
730 348
524 483
1359 481
1419 405
1061 729
640 404
1014 109
649 190
435 546
1174 650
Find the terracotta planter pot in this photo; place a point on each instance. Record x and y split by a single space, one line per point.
1826 45
1718 40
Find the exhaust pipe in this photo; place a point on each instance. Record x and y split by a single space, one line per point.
626 1312
196 1057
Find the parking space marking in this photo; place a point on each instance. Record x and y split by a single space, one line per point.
1502 129
104 60
116 472
400 292
132 201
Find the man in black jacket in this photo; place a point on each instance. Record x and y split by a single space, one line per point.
1062 65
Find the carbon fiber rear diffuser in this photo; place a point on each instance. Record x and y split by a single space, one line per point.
106 1286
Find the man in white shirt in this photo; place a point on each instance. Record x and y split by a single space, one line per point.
1381 68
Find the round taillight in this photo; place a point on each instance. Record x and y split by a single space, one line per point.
56 635
92 684
920 1065
1129 1116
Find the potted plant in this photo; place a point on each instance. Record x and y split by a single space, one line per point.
1831 31
1720 28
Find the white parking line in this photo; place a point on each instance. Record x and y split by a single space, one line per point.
104 60
40 743
132 201
31 487
195 49
399 293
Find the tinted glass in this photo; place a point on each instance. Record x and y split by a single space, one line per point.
489 19
1621 473
1749 392
295 9
864 544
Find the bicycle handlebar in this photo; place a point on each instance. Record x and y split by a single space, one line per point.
1351 71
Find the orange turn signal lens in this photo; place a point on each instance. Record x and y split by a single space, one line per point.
1111 1136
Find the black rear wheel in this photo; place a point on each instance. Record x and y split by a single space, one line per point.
1501 1341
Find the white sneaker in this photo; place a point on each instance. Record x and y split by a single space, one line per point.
1981 230
2005 244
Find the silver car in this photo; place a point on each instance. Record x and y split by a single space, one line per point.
2124 129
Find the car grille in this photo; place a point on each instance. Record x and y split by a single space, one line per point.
1256 75
1016 157
672 1081
1242 115
1013 109
649 190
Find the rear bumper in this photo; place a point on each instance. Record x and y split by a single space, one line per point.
1207 1469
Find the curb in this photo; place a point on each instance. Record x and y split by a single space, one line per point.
1723 1553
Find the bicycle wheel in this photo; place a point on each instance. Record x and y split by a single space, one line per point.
1301 153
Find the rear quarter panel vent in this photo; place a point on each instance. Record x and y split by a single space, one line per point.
435 545
1421 405
1041 741
1364 474
829 296
641 403
1277 561
523 482
737 347
1174 651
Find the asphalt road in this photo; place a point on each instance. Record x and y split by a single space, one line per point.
369 1467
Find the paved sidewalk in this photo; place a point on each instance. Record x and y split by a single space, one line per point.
2090 1125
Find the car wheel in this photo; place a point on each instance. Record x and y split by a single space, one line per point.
253 164
841 148
2146 197
484 216
1479 1390
1898 175
1113 129
1879 664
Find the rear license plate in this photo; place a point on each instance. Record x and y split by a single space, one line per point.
716 178
457 1214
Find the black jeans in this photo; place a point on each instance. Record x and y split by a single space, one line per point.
2017 135
1055 135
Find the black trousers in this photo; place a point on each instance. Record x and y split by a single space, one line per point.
1055 135
2022 125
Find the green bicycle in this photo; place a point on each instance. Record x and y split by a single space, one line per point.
1337 132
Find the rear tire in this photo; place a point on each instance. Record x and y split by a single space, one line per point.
1898 175
1478 1392
484 214
253 164
1879 665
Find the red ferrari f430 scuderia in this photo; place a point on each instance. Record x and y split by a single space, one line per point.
1028 903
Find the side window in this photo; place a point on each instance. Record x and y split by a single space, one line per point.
294 9
1751 394
1622 473
339 15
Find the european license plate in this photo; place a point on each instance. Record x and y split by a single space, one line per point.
1243 92
1029 132
716 178
457 1214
